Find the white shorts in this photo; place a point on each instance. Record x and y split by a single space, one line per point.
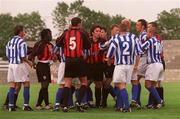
134 76
122 73
142 67
18 73
61 71
154 72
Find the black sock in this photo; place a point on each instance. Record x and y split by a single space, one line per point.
46 96
82 91
104 96
40 97
65 96
111 91
98 96
15 98
7 99
72 89
160 91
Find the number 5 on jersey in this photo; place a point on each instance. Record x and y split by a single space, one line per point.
72 43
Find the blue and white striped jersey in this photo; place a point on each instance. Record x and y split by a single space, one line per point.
105 45
142 37
60 50
16 49
154 50
124 48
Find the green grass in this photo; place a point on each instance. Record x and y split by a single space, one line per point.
170 111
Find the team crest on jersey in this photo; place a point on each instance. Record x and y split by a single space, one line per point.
44 77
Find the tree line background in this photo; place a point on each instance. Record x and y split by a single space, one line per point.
168 22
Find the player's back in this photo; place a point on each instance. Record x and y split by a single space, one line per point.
16 48
126 49
154 50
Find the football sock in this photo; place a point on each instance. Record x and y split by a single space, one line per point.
160 91
150 99
139 94
15 97
66 96
125 99
46 96
98 96
11 96
26 95
112 91
7 99
76 94
119 99
134 92
155 94
59 95
84 99
40 97
70 100
82 92
104 96
72 89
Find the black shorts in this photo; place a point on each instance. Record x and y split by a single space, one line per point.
43 72
75 68
95 72
108 70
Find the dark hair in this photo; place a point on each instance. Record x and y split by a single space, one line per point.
18 29
94 27
154 24
103 28
46 35
75 21
143 22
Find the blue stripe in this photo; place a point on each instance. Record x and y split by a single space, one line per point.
154 52
111 52
115 43
17 50
131 50
8 51
13 54
25 50
125 56
150 52
119 59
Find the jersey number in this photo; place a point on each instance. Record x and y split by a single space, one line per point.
126 48
158 48
72 43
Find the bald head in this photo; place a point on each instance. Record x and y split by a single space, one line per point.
126 22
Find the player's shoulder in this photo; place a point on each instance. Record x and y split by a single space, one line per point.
132 35
16 38
153 40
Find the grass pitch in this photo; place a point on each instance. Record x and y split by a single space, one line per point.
170 111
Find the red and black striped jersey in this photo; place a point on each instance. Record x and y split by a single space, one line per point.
95 56
43 50
74 41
